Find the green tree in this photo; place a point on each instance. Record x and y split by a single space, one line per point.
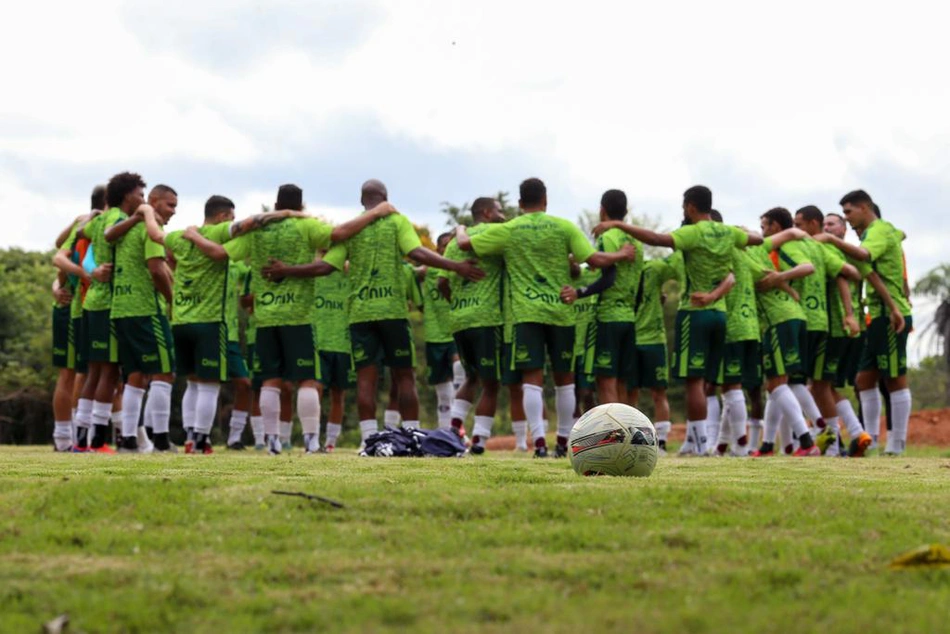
936 284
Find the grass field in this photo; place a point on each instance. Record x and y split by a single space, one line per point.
497 543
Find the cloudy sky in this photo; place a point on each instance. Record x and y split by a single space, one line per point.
445 100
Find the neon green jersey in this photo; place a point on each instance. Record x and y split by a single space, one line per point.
775 306
813 289
618 303
329 312
292 241
536 248
835 303
475 304
585 310
201 284
133 291
651 324
885 244
742 320
99 295
435 314
237 280
707 258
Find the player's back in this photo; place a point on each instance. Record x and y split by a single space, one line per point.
707 260
133 291
201 284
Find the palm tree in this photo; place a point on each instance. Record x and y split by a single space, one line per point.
936 284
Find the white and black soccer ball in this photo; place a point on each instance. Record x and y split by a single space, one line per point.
613 439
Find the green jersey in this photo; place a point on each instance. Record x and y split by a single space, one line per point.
237 281
435 316
378 286
292 241
835 302
585 309
475 304
133 291
75 306
707 258
413 287
535 246
885 244
775 305
201 284
813 289
250 335
329 312
742 320
618 303
651 324
99 295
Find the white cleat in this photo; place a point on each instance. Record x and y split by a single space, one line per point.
145 445
311 444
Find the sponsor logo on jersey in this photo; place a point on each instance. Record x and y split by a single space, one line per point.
182 300
270 298
533 294
370 292
522 354
329 304
209 363
122 290
465 302
305 363
403 353
697 360
149 358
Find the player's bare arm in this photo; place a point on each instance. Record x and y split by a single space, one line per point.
701 299
786 235
119 229
642 234
211 249
601 260
64 263
161 278
351 227
465 268
853 251
152 225
276 270
896 317
64 234
257 221
849 322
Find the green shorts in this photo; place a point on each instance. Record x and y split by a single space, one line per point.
847 350
884 350
698 344
202 350
389 340
99 333
288 353
79 343
145 345
64 350
237 368
814 353
532 340
782 349
336 370
615 351
742 364
509 375
439 359
583 380
653 370
254 365
479 351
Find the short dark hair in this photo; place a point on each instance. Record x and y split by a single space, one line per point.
857 197
700 197
614 202
482 205
532 191
217 204
98 198
781 215
162 190
832 214
811 212
120 186
715 215
876 209
444 236
289 196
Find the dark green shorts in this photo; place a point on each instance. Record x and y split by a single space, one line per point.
336 370
64 351
237 368
814 353
653 370
698 344
532 340
479 350
742 364
835 355
509 375
288 353
254 365
99 333
615 351
389 340
439 360
79 344
847 350
782 349
145 345
202 350
884 350
583 380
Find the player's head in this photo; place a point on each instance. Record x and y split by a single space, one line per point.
289 197
125 191
858 209
876 209
835 225
810 219
486 209
532 195
372 193
443 241
613 205
715 216
697 203
164 200
98 199
775 220
219 209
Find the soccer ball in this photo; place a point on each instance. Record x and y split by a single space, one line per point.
613 439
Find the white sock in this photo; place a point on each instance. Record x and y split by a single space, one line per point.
871 409
443 396
724 433
850 419
458 375
206 407
72 422
900 420
696 433
308 410
189 405
368 428
806 401
116 417
132 398
158 407
736 413
460 410
520 430
773 418
482 428
663 430
101 413
791 410
333 432
257 428
63 435
236 426
411 424
286 431
713 416
83 417
270 410
534 409
391 418
755 432
565 400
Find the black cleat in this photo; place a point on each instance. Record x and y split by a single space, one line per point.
128 445
477 449
560 451
237 446
541 452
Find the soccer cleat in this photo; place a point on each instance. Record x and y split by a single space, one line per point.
560 451
811 452
190 446
128 445
206 449
64 445
311 444
236 446
477 449
825 439
859 446
328 449
259 446
758 453
687 449
274 446
541 452
106 449
78 449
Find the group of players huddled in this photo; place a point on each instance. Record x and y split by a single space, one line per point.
796 310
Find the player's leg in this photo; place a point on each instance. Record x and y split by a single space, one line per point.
512 378
103 350
485 355
335 417
713 413
241 384
689 360
734 404
559 343
604 363
868 376
64 359
286 415
302 367
440 376
391 416
364 341
786 341
798 382
399 354
151 339
257 421
269 361
895 378
465 343
528 348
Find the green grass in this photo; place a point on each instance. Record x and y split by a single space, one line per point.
500 543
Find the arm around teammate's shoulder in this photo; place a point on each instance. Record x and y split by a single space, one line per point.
642 234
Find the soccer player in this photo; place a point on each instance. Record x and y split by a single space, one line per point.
884 352
441 352
585 330
476 320
701 318
391 414
536 249
331 294
378 313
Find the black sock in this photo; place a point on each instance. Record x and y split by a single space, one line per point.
82 437
130 442
767 447
149 432
161 441
805 441
201 440
100 433
661 444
